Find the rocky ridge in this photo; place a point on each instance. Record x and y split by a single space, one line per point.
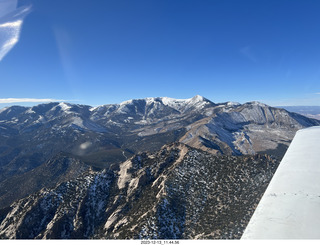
102 137
178 192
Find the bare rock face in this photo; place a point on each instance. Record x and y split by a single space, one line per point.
176 193
50 145
245 129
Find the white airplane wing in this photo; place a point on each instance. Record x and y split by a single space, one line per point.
290 207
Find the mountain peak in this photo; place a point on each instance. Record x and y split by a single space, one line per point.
197 101
257 103
198 98
232 103
64 106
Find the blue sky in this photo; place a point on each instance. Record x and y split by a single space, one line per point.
106 51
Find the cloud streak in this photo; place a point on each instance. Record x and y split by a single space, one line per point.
27 100
11 20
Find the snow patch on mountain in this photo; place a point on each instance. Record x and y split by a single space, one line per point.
65 107
30 111
197 101
78 122
231 103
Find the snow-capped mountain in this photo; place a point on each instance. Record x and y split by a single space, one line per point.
102 137
246 129
176 193
149 110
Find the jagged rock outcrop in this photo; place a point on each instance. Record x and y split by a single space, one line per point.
102 137
178 192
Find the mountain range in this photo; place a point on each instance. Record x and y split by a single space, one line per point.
76 171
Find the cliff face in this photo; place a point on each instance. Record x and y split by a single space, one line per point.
35 140
81 173
177 192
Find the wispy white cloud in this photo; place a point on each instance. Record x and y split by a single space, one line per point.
27 100
11 20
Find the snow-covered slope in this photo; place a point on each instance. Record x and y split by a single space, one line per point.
104 136
149 110
245 129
